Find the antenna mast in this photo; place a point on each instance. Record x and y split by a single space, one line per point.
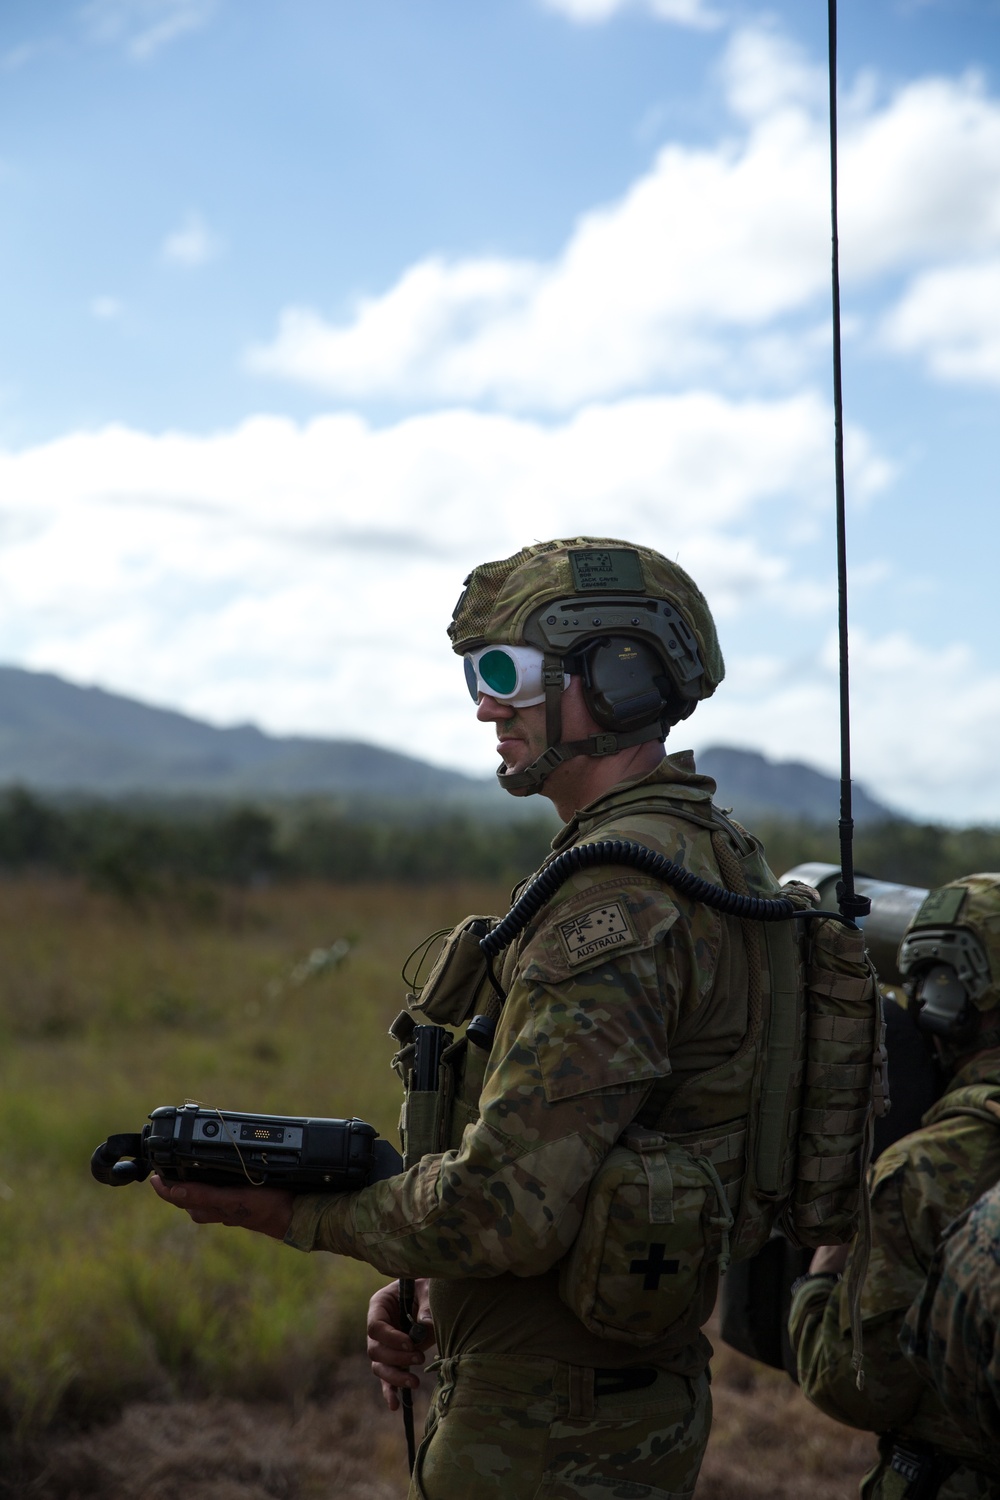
850 903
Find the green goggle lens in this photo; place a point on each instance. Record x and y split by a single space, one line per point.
511 674
498 672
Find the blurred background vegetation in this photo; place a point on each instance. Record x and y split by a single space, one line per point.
248 957
276 1000
152 848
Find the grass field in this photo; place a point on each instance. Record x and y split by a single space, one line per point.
107 1012
142 1358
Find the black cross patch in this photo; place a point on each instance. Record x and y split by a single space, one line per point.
653 1268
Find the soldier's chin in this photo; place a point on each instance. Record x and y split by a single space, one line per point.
511 765
514 754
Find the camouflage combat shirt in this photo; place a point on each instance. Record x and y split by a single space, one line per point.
618 984
919 1185
952 1331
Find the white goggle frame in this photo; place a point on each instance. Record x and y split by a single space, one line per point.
514 677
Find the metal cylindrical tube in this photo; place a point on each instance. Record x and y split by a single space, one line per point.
893 909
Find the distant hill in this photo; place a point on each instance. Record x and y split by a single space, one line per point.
758 788
58 738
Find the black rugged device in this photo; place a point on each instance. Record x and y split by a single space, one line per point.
189 1143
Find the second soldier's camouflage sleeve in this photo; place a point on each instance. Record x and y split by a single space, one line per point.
952 1331
820 1330
582 1035
919 1185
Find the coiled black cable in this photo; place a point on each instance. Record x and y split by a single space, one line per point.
637 857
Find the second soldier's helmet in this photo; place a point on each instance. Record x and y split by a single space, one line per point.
630 622
950 962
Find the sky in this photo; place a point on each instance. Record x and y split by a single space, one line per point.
309 308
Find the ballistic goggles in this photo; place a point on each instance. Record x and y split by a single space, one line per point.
511 674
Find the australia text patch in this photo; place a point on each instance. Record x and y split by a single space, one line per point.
602 929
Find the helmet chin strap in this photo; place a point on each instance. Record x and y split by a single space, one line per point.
533 777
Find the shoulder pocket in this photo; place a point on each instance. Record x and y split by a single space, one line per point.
457 980
593 984
594 926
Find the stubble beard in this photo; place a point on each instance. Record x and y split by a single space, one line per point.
515 728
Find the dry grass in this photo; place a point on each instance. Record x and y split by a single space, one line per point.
346 1446
767 1443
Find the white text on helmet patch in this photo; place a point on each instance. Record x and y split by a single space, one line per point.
597 931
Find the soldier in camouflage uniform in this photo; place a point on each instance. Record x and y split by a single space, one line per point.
624 1005
952 1331
950 958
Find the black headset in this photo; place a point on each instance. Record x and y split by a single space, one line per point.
945 969
625 684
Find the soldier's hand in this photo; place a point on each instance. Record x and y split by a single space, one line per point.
392 1352
264 1210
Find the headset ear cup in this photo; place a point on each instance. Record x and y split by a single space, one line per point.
624 685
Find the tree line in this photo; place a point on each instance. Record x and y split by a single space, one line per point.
136 849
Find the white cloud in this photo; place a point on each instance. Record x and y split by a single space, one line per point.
952 318
143 27
764 71
682 12
106 309
920 179
938 765
301 577
703 270
400 332
271 572
192 245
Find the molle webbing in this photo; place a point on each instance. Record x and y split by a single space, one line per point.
732 873
843 1041
778 1113
768 1150
774 1033
425 1118
661 1108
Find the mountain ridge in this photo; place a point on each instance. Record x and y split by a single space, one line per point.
57 737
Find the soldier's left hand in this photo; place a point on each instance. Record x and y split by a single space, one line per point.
264 1210
391 1351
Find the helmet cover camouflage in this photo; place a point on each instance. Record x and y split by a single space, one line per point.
970 905
500 598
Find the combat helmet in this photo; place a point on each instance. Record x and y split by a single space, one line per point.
950 963
632 624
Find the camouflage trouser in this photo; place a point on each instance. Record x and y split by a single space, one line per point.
533 1429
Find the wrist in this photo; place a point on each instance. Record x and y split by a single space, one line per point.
816 1277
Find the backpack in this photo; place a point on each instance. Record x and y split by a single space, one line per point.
668 1209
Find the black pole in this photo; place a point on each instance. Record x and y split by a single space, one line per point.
850 903
406 1323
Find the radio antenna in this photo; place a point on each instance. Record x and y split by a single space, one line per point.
850 903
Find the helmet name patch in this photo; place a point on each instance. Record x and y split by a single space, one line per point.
941 907
603 928
611 568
